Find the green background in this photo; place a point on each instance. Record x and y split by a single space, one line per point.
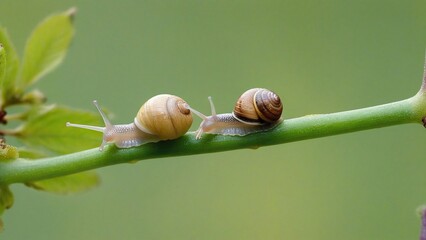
320 56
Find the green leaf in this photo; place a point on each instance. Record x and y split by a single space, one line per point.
47 47
6 198
73 183
45 129
7 83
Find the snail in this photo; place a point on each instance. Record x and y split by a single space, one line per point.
256 110
162 117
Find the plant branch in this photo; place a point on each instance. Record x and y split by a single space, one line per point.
411 110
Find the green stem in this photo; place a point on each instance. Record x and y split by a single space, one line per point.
411 110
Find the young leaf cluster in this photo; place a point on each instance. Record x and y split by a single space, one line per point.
40 127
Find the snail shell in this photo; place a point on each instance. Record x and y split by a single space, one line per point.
258 106
163 117
256 110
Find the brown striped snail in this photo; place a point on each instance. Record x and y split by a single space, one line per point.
163 117
256 110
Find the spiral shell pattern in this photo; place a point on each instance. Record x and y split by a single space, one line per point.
258 106
166 116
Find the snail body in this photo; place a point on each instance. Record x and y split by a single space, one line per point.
163 117
256 110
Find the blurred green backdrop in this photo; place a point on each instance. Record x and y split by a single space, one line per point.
320 56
